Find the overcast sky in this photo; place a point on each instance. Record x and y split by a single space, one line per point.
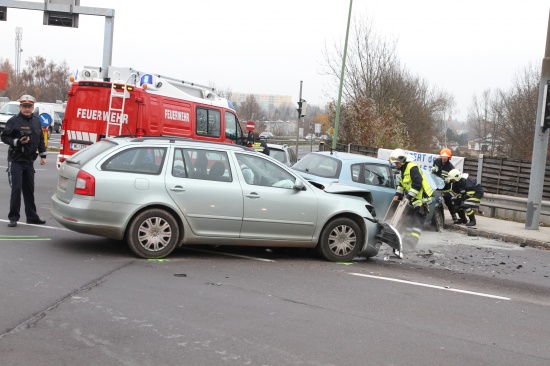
269 46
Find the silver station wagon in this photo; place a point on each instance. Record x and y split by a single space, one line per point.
160 193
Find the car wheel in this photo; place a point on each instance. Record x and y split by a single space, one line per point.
153 233
438 219
341 240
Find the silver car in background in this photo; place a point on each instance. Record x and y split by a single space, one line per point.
283 153
159 193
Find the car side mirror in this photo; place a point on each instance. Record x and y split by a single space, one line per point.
299 185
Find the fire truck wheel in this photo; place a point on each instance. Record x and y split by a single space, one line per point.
341 240
153 233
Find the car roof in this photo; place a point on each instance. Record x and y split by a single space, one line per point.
344 156
127 140
277 146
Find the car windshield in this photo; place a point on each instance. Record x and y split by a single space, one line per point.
10 109
320 165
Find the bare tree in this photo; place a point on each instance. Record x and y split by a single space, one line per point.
518 110
375 78
250 109
483 117
14 89
46 81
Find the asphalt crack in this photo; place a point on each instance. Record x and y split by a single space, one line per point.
41 314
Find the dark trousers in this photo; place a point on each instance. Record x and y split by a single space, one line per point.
21 179
448 199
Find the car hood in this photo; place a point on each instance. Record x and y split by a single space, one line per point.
342 188
336 188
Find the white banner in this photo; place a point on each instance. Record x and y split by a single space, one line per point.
424 160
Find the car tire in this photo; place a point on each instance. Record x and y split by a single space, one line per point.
438 218
153 233
341 240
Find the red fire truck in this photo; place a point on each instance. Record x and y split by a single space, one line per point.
130 102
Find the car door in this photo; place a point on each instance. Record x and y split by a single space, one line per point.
203 185
272 208
378 179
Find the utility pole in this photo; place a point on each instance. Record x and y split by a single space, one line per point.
540 144
337 120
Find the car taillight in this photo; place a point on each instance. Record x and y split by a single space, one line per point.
85 184
140 132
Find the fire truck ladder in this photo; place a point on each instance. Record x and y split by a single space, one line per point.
122 94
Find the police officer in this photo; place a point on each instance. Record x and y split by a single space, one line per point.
442 166
25 138
414 188
468 194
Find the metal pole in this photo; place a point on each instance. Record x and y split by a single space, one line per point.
298 123
337 121
107 45
540 147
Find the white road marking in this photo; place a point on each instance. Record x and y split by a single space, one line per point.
44 226
431 286
230 255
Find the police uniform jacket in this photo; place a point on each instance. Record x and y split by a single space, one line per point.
19 126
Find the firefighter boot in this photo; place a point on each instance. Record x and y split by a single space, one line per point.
454 217
472 218
462 219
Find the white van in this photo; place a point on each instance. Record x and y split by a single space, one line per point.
12 108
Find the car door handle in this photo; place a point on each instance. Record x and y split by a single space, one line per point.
253 195
177 189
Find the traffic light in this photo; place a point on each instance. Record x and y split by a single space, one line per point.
302 106
545 123
3 13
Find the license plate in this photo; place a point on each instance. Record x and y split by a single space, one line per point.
78 146
62 184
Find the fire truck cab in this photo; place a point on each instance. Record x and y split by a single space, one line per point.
130 102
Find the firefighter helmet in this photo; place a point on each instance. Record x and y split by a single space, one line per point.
398 156
447 153
454 175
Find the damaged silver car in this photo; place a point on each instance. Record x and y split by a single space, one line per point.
161 193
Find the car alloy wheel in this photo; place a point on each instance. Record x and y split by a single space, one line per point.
153 233
341 240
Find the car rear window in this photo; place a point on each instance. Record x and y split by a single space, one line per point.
85 155
320 165
277 154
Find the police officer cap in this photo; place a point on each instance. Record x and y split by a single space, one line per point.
26 100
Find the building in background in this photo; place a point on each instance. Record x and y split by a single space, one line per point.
268 102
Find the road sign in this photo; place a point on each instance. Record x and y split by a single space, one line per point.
250 126
45 119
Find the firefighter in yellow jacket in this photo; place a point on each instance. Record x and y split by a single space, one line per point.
415 189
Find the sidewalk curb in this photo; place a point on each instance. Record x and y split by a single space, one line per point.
506 238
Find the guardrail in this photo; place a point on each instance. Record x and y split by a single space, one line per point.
511 207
